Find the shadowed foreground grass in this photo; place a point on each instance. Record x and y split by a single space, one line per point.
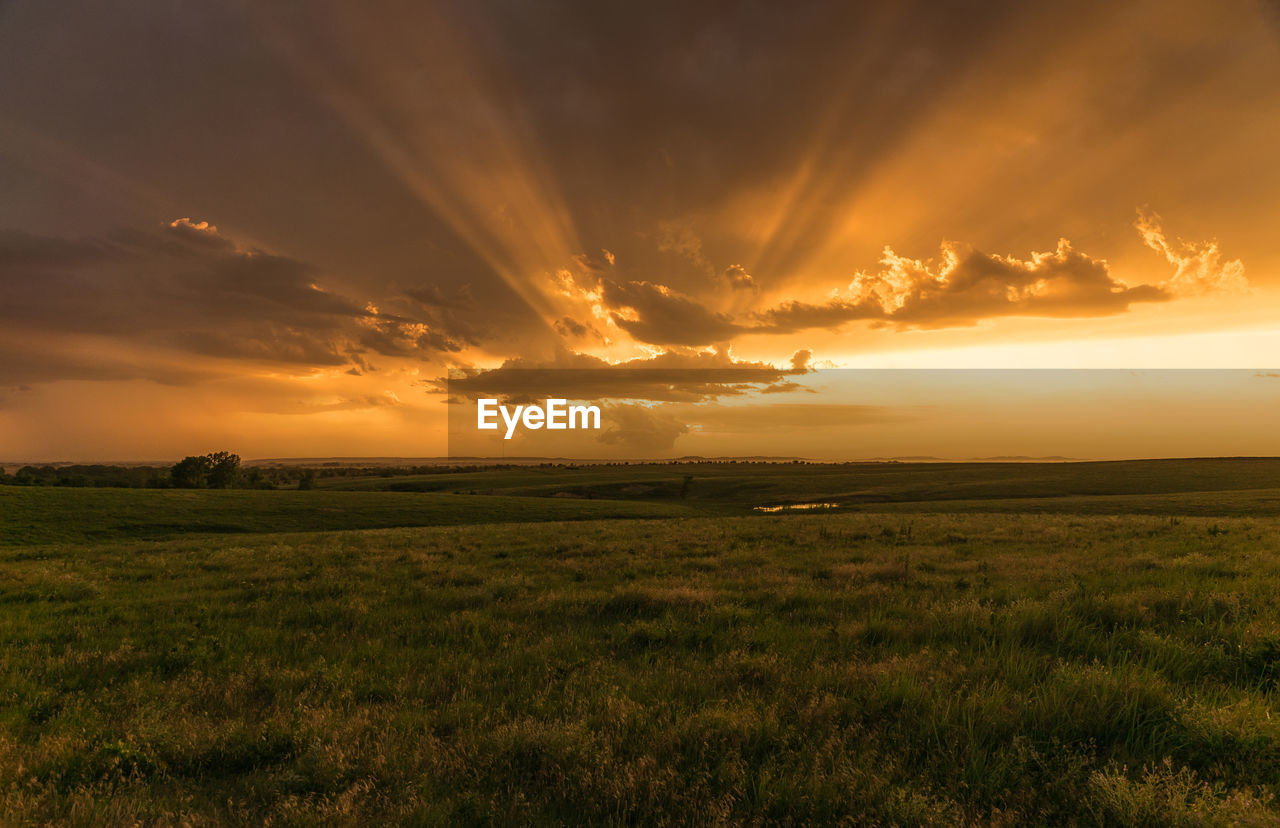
917 669
71 515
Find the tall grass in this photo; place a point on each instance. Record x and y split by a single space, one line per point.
891 669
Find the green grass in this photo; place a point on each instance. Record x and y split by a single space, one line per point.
51 514
882 668
1238 503
737 488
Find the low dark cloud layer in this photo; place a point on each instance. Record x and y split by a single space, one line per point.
188 288
790 317
674 376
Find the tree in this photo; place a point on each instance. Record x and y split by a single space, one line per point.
217 470
224 469
28 476
191 472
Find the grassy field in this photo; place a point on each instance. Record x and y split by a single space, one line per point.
53 515
725 488
274 658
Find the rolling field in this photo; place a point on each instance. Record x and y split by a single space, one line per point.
956 653
1226 486
52 515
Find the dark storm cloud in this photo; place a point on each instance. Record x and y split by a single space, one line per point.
454 318
674 376
187 287
446 139
650 312
19 250
114 109
664 317
793 316
702 100
28 360
683 108
269 343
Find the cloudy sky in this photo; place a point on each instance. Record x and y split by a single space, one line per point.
272 228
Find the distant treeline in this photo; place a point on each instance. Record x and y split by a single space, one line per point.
221 470
202 473
189 475
130 477
148 477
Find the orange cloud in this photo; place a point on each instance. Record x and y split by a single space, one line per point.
1198 266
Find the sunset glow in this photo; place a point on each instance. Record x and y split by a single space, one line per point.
290 264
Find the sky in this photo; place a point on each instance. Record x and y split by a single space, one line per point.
277 228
